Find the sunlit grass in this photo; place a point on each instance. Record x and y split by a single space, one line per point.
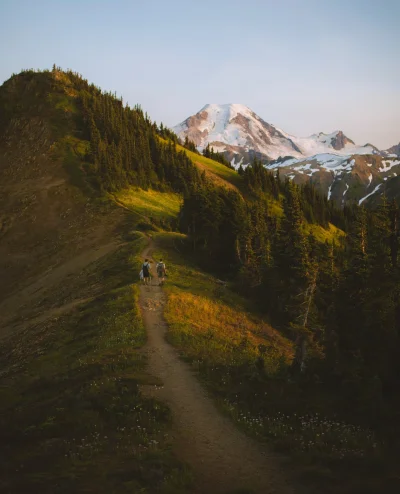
218 173
79 146
275 208
332 234
220 170
211 322
213 331
150 203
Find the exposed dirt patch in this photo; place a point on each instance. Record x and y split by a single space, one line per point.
223 458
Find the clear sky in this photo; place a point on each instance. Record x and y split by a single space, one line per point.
303 65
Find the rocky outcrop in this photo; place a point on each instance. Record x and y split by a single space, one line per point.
340 141
394 149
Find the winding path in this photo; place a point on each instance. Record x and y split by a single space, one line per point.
222 457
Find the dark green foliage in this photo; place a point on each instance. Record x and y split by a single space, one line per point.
125 146
214 155
258 179
190 145
126 150
339 303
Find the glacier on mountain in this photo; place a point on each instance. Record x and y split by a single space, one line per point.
332 161
236 128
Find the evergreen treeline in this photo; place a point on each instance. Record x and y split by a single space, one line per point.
190 145
125 146
214 155
339 301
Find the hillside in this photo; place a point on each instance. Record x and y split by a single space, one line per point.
216 172
70 326
284 304
57 156
49 228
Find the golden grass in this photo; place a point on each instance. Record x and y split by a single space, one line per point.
215 178
209 322
275 208
228 176
220 174
332 234
213 331
150 203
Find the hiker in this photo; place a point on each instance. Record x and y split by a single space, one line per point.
161 272
146 272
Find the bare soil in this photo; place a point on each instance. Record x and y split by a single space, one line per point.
223 459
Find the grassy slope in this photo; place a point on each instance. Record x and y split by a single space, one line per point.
222 175
72 418
331 234
214 169
211 322
150 204
245 364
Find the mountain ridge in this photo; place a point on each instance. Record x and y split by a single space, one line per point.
230 126
329 160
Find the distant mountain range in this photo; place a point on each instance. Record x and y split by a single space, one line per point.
345 171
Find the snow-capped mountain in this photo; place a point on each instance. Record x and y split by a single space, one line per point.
394 150
345 171
345 179
241 134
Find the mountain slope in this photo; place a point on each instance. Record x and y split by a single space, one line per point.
45 218
344 179
241 134
342 170
394 149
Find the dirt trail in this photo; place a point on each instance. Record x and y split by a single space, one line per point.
222 458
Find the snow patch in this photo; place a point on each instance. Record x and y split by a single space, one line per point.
368 195
388 165
237 165
330 192
344 193
237 125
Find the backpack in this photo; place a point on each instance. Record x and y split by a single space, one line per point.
146 270
161 269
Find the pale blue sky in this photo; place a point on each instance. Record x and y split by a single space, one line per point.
303 65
